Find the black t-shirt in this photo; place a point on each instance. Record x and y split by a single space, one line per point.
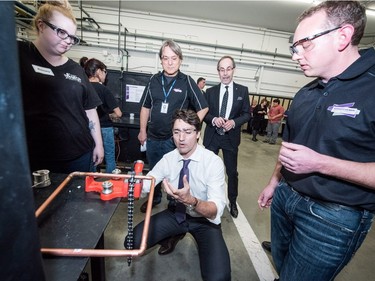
54 102
336 119
183 94
109 103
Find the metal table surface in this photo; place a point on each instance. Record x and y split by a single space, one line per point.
126 122
75 219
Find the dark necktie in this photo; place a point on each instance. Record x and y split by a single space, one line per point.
223 110
180 207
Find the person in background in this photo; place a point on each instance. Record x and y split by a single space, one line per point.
249 128
82 61
263 127
322 191
166 92
97 73
275 115
259 112
201 82
229 108
199 193
59 102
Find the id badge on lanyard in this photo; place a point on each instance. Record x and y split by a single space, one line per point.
164 107
165 104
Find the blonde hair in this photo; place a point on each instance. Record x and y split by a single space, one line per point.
45 11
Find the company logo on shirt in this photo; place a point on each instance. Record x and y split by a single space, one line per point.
344 109
177 90
72 77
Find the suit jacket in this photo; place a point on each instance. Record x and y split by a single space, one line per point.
240 112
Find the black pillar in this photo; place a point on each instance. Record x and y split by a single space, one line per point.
20 257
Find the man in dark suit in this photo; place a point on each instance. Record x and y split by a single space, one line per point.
223 130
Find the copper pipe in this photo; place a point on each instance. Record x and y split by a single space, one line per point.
100 252
91 252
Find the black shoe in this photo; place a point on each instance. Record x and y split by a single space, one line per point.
233 210
266 245
144 205
168 245
254 139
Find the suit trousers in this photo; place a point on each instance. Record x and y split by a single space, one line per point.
213 253
230 155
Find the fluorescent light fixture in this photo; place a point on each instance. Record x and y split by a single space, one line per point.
370 12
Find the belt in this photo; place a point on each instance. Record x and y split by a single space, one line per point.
345 207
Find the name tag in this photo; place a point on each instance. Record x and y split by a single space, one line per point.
42 70
164 107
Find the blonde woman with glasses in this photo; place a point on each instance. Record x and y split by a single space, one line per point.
62 125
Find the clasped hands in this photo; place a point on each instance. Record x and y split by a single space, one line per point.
221 122
181 195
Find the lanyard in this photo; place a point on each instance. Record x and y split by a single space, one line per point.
170 89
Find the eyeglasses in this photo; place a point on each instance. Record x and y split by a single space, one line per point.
63 34
188 132
222 70
306 42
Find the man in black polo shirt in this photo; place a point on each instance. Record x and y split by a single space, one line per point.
322 192
166 92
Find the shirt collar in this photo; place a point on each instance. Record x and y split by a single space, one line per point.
360 66
222 87
195 157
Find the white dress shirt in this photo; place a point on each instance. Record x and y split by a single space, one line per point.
230 98
206 177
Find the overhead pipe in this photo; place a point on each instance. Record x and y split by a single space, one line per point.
100 252
125 49
88 18
272 59
251 60
24 8
119 27
159 38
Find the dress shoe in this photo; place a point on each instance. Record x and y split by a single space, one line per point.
168 245
254 139
144 205
266 245
233 210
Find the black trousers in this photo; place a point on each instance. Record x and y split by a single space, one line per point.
230 156
213 253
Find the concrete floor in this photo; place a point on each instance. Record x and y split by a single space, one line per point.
242 235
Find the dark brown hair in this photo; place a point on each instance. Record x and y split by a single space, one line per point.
92 65
340 13
188 116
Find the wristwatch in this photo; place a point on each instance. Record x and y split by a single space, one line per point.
191 207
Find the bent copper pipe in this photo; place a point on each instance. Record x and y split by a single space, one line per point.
100 252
